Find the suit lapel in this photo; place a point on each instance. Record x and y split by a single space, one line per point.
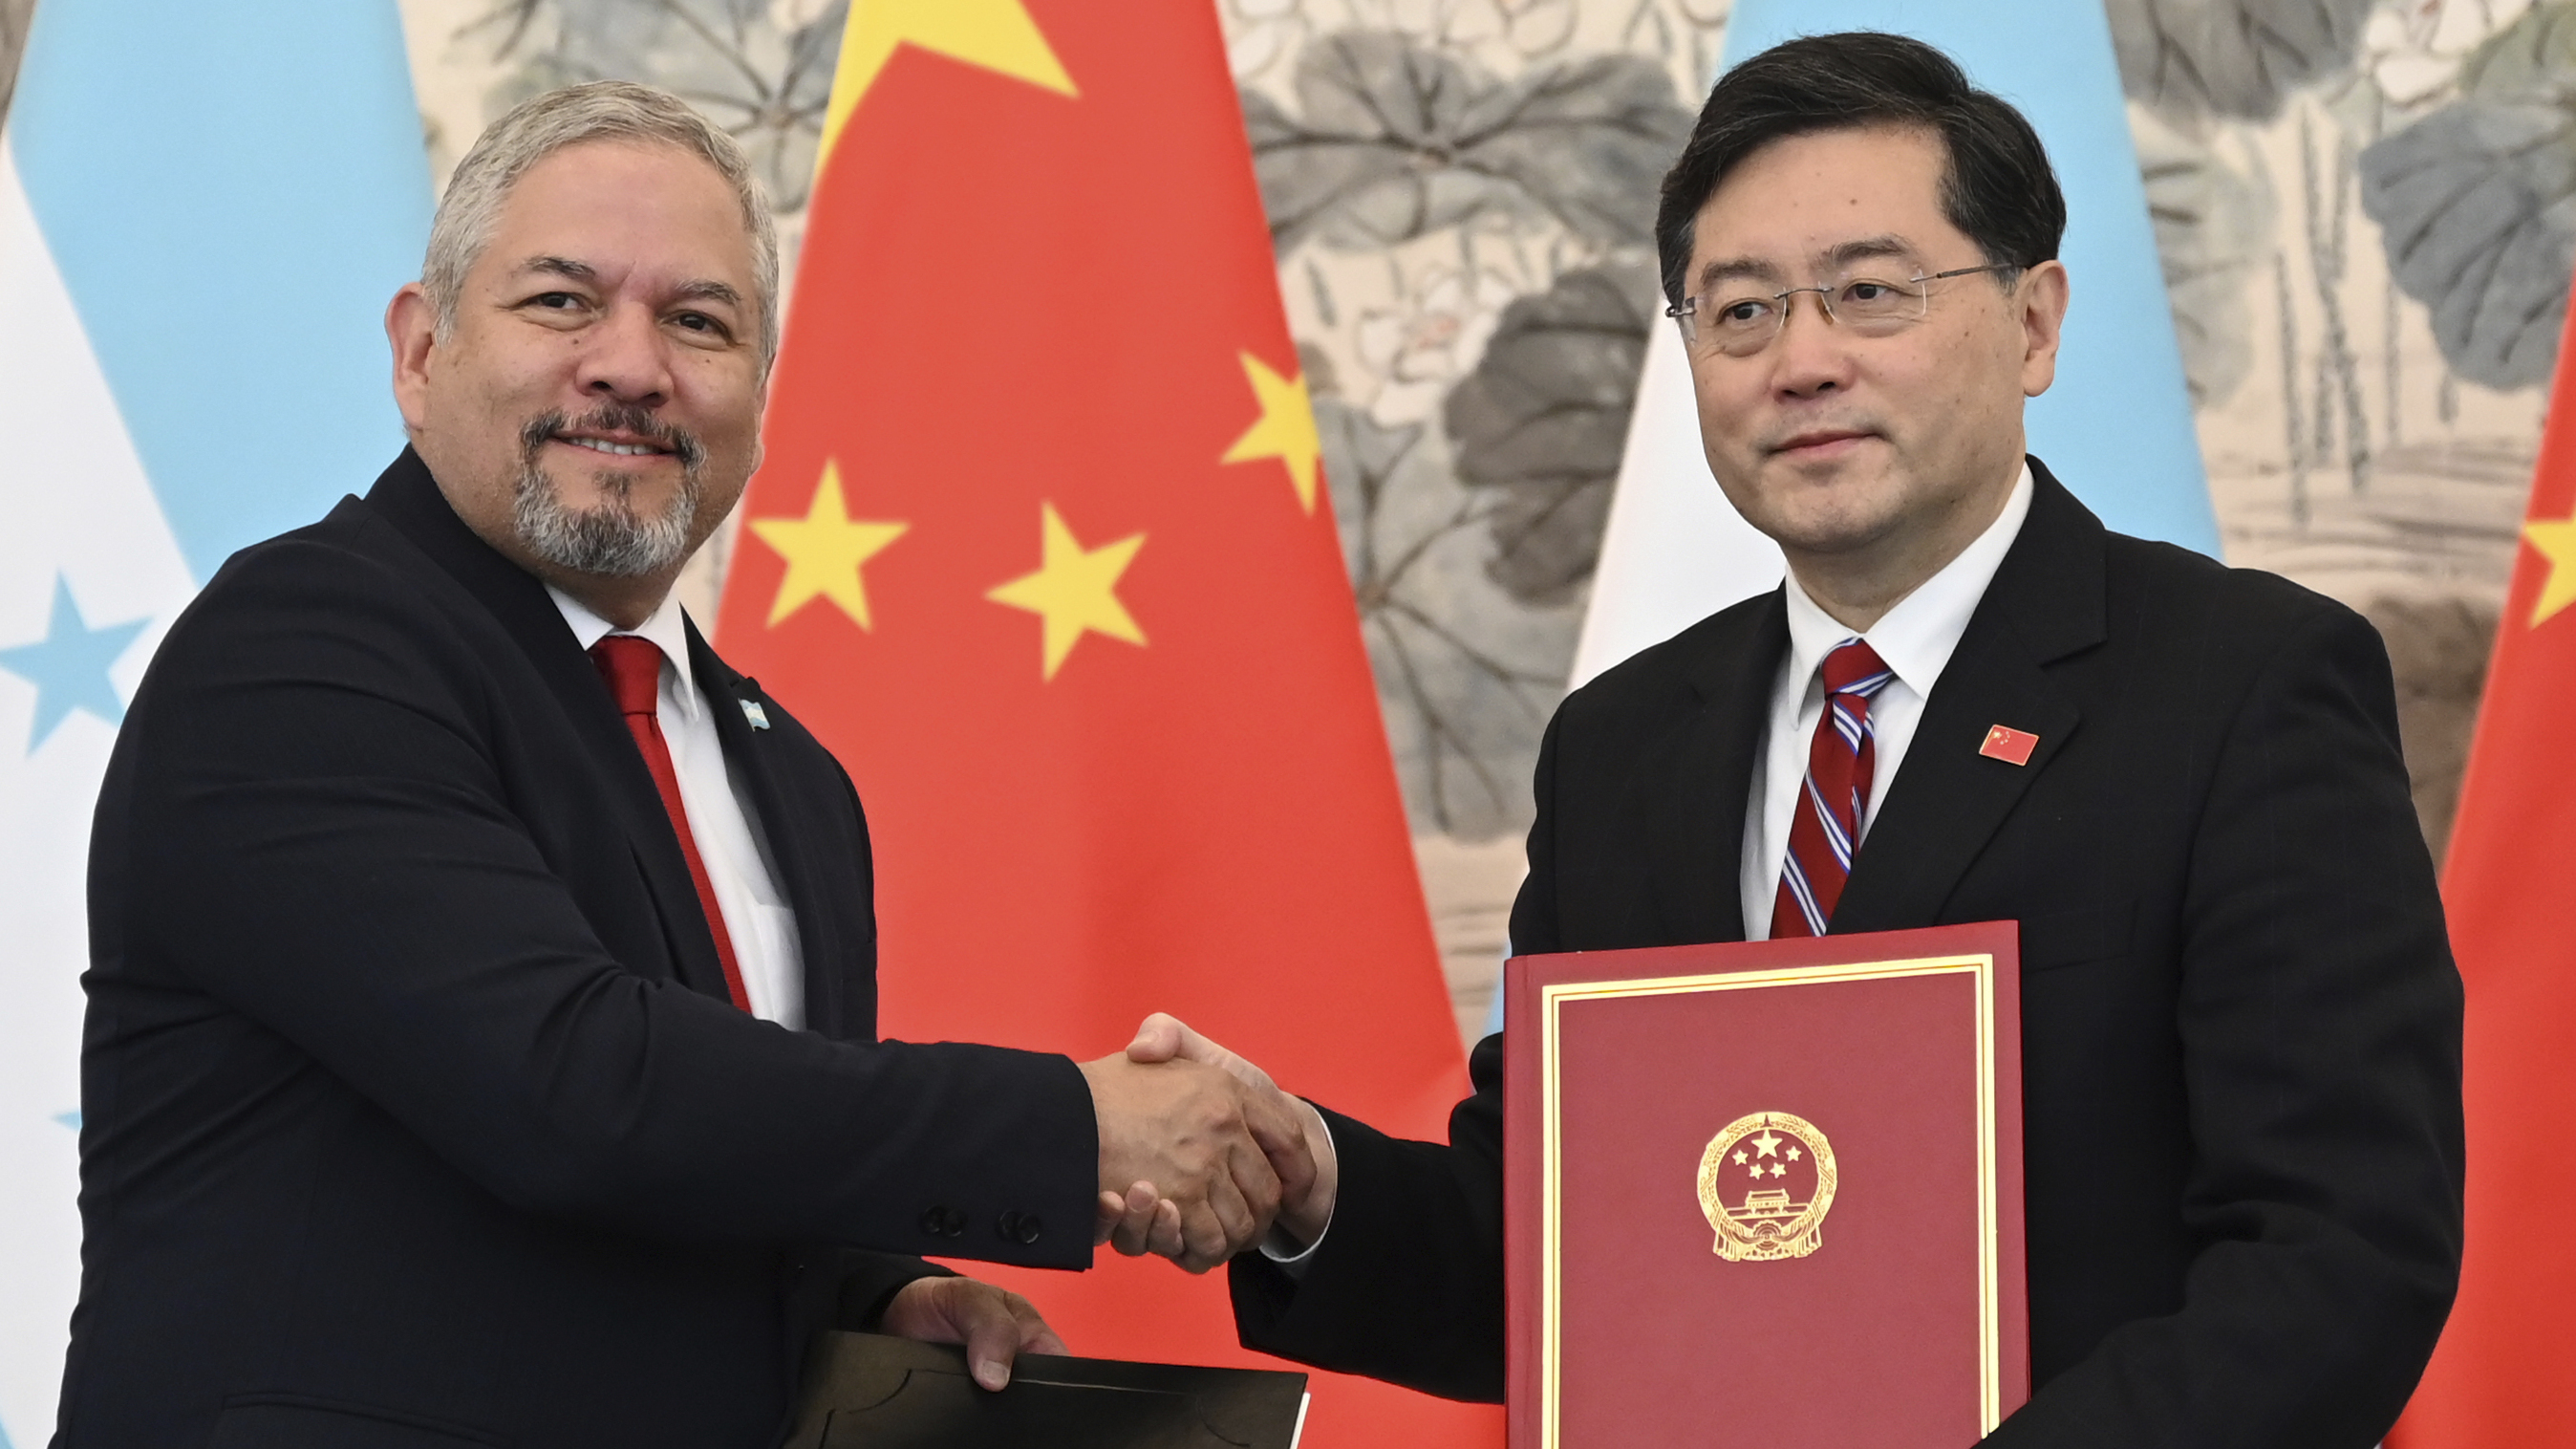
2045 603
409 497
1696 816
754 758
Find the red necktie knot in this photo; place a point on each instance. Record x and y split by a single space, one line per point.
633 669
1852 668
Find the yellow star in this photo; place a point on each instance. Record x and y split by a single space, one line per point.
1074 589
995 34
824 550
2555 538
1285 431
1768 1145
1793 1154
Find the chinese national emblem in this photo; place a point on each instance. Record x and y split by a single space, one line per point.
1766 1183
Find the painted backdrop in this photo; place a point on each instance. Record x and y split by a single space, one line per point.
2366 211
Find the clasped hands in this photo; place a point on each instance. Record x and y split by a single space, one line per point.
1211 1154
1201 1153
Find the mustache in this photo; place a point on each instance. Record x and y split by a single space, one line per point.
612 417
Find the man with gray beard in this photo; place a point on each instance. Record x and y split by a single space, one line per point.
482 1013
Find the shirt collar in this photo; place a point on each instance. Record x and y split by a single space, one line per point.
1916 638
667 630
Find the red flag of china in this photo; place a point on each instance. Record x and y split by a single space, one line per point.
1041 549
2501 1375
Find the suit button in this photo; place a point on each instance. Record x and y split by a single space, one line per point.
943 1221
1023 1228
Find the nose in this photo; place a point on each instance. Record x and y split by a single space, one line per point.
625 358
1810 356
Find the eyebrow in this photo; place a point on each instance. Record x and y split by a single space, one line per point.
1869 249
561 267
1831 260
707 289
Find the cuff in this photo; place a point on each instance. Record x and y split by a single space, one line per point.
1282 1249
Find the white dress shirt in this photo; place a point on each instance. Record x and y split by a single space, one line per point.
1915 640
757 917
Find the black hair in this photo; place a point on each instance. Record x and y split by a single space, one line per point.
1998 189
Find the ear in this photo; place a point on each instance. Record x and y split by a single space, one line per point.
2041 299
411 326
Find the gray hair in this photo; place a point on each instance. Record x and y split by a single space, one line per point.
597 111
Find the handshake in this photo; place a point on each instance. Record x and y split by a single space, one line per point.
1201 1154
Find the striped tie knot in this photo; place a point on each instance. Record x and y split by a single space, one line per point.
1853 674
1855 668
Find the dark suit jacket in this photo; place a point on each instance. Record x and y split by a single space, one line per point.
414 1111
2240 1021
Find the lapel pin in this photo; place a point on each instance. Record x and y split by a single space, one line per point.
2009 745
759 717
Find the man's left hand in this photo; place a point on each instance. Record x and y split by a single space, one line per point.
995 1325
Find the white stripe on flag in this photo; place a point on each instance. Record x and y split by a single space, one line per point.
82 520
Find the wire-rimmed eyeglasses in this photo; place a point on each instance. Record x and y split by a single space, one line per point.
1740 326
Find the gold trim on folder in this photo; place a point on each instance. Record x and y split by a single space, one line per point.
1553 999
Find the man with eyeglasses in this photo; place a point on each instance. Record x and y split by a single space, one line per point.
2241 1020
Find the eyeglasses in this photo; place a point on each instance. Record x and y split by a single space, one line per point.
1870 306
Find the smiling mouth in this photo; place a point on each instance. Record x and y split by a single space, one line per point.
612 430
621 450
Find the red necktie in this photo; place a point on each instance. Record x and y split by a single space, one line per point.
1826 830
633 669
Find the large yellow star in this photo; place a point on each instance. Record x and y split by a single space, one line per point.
824 551
995 34
1286 430
2556 540
1074 589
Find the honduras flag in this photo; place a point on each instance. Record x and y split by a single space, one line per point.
204 209
2116 426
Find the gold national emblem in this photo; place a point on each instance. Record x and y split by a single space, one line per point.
1766 1183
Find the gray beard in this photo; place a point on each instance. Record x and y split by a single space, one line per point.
611 540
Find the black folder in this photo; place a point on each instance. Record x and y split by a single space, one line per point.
869 1391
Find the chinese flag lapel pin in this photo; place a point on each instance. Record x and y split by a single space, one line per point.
2009 745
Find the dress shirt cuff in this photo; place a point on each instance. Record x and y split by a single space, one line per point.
1282 1249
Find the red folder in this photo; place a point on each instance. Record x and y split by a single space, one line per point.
1766 1192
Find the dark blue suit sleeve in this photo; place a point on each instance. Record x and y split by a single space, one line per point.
319 824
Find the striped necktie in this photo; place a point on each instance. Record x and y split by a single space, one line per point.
1825 832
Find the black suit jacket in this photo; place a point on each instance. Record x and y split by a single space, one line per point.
2240 1021
414 1113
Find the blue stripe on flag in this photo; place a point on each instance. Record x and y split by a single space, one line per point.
2116 426
232 189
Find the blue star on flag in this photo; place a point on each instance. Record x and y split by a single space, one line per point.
69 666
